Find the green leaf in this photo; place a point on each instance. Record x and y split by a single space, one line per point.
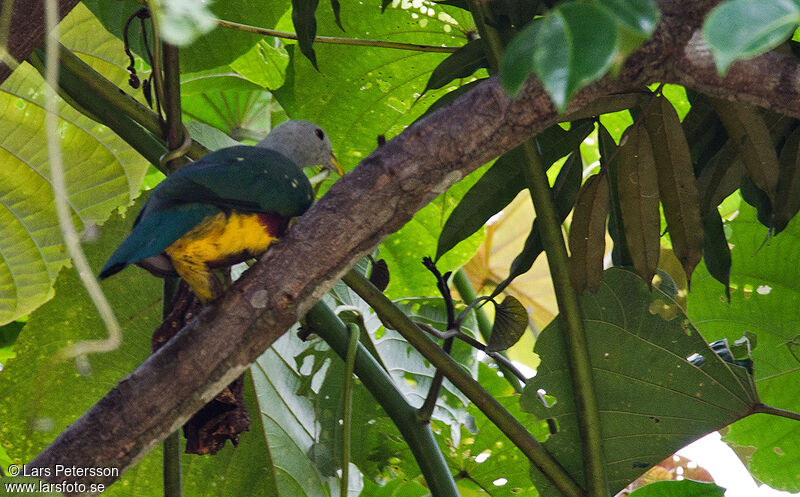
242 114
289 419
211 138
486 454
215 79
214 49
503 181
716 252
264 65
460 64
49 395
570 47
517 63
493 191
682 488
365 91
8 336
404 249
305 25
396 487
565 191
102 171
742 29
765 283
652 399
510 322
638 16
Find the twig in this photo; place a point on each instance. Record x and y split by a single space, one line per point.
501 360
483 400
334 40
426 410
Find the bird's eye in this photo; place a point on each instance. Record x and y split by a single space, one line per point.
319 134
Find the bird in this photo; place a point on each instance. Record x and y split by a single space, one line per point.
225 208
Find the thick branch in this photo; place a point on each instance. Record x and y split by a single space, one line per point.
359 211
22 29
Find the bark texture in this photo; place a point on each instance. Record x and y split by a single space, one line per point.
26 30
358 212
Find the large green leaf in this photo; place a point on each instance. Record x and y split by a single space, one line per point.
654 393
764 298
289 420
102 171
486 458
683 488
220 46
741 29
41 397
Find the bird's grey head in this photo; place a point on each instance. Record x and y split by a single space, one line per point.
304 143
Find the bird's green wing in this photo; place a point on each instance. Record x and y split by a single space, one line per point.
245 178
156 228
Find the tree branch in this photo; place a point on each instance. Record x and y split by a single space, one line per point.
359 211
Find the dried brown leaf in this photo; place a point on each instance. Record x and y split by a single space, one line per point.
676 183
637 185
720 177
750 134
787 197
587 234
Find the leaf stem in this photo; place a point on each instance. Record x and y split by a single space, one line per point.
775 411
377 381
83 97
483 400
172 104
580 365
172 107
335 40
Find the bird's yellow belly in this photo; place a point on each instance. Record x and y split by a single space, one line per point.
220 240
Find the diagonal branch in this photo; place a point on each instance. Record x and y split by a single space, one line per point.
358 212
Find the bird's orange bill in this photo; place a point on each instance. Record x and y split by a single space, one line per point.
337 165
